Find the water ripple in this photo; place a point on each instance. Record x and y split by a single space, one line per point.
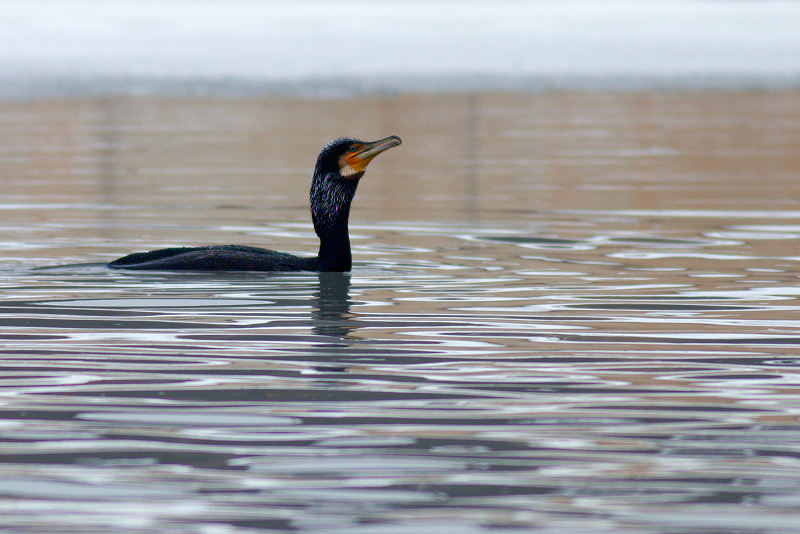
510 369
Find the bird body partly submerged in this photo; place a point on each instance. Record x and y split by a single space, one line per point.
339 168
215 258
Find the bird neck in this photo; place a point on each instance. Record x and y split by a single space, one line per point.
334 252
330 210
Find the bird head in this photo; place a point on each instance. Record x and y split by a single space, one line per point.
339 166
349 157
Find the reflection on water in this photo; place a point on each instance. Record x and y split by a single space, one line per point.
331 313
595 335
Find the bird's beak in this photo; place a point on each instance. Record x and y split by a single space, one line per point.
359 159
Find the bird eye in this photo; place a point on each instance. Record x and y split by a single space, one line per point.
352 148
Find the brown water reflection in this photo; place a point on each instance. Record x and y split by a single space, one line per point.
569 312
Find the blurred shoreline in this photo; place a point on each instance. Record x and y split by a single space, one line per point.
74 87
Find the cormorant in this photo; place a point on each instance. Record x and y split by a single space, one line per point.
340 166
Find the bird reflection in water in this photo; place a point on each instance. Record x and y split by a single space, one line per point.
331 315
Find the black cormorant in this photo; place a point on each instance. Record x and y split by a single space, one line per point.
340 166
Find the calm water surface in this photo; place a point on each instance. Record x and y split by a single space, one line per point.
569 312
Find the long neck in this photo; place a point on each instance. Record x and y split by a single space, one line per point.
331 197
334 251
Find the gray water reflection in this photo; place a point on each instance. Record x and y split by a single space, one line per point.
507 369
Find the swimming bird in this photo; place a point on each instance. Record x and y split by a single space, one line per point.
340 166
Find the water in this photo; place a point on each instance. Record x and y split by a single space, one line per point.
569 312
